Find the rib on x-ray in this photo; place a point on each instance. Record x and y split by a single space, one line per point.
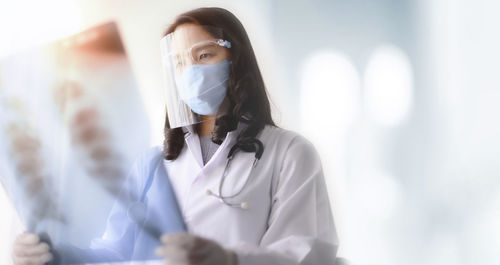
71 124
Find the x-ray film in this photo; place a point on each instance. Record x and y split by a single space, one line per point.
71 126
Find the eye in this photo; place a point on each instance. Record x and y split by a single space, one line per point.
204 56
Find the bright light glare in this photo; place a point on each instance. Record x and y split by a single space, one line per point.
388 84
378 194
28 23
329 105
24 24
329 91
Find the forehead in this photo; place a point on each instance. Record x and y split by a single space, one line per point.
186 35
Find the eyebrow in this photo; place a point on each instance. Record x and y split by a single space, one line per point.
205 46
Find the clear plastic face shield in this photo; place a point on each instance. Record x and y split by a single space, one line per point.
196 69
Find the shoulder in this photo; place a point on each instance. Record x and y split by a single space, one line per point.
143 165
286 138
150 154
145 161
287 144
294 158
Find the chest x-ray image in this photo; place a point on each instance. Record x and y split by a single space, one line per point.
71 126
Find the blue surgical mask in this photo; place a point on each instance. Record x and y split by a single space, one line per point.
203 87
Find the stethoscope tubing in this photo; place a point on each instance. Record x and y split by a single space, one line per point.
259 150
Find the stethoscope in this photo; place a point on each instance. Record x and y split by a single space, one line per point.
258 148
137 211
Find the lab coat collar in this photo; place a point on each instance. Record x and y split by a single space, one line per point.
193 144
190 129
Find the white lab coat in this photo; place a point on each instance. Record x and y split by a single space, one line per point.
288 220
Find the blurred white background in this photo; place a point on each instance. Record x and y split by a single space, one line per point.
399 97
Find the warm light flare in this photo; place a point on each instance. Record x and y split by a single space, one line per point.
28 23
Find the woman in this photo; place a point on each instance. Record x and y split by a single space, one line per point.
275 211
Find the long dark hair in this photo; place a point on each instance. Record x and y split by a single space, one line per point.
246 98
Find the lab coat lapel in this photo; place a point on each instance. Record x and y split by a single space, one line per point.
193 144
217 162
215 166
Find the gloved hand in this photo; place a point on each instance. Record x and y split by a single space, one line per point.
186 249
28 250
